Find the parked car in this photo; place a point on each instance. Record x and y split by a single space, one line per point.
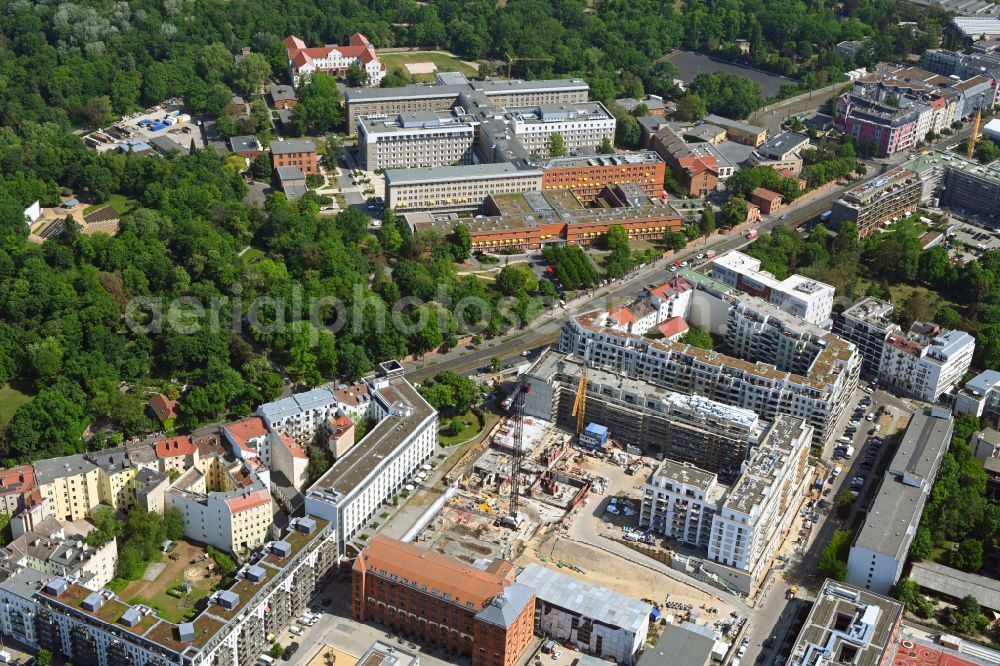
557 654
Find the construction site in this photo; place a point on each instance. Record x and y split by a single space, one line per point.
519 482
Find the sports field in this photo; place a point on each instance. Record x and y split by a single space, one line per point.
442 61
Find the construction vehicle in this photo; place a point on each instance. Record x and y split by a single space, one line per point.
580 404
970 151
792 591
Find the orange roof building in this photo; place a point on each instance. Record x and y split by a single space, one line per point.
163 408
480 613
333 60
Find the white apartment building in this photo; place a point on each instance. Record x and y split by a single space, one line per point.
375 468
741 525
866 324
881 546
300 415
818 397
456 188
980 397
583 126
47 549
416 138
925 367
230 508
797 295
98 628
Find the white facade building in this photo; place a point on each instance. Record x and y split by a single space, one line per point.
416 138
740 525
333 60
300 415
583 126
980 396
596 620
881 546
378 466
926 367
797 295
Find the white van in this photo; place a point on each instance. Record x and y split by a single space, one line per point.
294 630
837 470
266 660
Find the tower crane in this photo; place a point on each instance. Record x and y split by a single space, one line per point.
971 150
580 404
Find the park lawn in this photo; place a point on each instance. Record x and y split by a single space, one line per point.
471 428
445 62
10 400
120 202
901 292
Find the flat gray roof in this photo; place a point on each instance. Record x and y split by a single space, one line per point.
585 599
299 402
505 609
427 91
49 470
292 146
381 442
926 438
735 124
678 645
453 173
894 514
957 584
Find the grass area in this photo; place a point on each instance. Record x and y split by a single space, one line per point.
11 398
174 609
445 62
901 292
120 202
250 255
468 432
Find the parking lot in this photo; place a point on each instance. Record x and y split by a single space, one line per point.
968 242
178 126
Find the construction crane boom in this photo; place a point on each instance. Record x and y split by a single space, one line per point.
517 459
580 404
975 135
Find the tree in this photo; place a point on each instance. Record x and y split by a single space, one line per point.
355 76
730 95
707 223
277 650
557 145
618 262
691 107
318 108
675 240
606 147
250 73
987 151
696 336
334 149
495 364
735 210
456 425
106 527
260 166
516 281
43 658
934 265
908 592
833 560
390 238
948 317
923 544
968 556
969 618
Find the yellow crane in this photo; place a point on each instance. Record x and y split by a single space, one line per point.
580 404
975 135
511 60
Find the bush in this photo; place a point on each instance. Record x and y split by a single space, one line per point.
363 536
223 561
384 515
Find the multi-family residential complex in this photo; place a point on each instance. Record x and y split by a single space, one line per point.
228 507
299 153
47 548
980 397
895 108
818 396
484 614
884 199
531 220
594 619
272 587
881 546
740 525
333 60
950 181
847 625
712 435
447 89
808 299
694 165
404 437
71 485
924 362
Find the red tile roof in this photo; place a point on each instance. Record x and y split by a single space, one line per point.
172 447
19 479
249 501
673 326
677 284
621 316
765 194
296 450
243 431
904 344
301 55
163 407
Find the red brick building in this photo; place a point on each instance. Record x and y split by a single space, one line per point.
587 176
768 202
294 152
482 614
